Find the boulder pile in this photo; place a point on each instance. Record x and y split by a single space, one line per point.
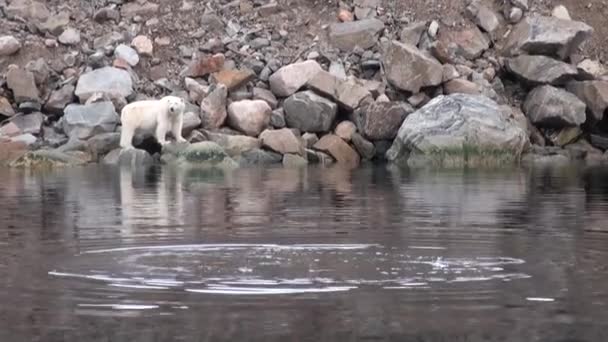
509 82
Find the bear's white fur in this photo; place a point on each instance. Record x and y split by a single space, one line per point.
153 117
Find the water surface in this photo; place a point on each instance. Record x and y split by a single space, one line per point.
103 254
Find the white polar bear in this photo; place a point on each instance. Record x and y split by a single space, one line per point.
153 117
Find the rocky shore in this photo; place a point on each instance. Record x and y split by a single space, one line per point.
267 83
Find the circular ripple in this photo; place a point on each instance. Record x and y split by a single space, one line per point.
282 269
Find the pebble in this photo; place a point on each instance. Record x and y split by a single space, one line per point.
143 45
9 45
433 29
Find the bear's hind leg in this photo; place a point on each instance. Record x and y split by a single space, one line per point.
126 137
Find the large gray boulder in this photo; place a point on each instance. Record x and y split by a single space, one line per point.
381 120
85 121
204 154
249 116
109 81
594 94
290 78
541 69
458 129
348 92
551 107
130 157
407 68
550 36
309 112
362 33
233 144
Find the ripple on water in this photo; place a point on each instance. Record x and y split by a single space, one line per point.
269 269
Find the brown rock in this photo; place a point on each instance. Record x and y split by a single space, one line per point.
462 86
204 65
121 64
470 43
213 107
59 99
407 68
381 120
345 16
345 130
23 85
339 149
233 79
249 116
28 10
541 70
10 151
143 45
5 107
282 141
139 8
348 93
361 33
594 94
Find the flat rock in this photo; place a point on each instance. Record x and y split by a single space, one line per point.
112 82
259 157
23 85
407 68
85 121
205 154
59 99
131 157
192 119
282 141
233 79
309 112
594 94
9 45
550 36
213 107
381 120
234 145
470 43
28 10
362 33
56 23
483 16
412 33
143 45
102 144
461 86
452 130
139 8
348 92
277 118
25 124
249 116
539 69
204 65
550 107
339 150
289 79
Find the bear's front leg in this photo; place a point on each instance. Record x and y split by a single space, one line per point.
177 126
161 132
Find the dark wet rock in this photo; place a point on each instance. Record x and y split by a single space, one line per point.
339 150
289 79
204 154
259 157
594 94
131 157
46 159
551 107
407 68
293 160
348 92
365 148
85 121
309 112
550 36
234 145
282 141
277 118
249 116
9 45
23 85
412 33
458 129
102 144
59 99
109 81
362 33
381 120
541 70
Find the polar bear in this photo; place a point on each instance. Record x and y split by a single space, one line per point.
153 117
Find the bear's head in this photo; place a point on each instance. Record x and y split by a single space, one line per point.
175 105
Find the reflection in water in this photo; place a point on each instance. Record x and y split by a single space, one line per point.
105 254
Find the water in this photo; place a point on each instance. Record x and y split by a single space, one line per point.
378 254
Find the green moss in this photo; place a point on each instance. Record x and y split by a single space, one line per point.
464 156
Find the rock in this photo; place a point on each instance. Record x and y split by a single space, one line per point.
192 120
522 4
309 139
28 10
47 159
143 45
345 130
249 116
540 70
594 94
561 12
70 36
277 118
550 36
345 16
25 124
336 68
234 145
233 79
412 33
5 107
449 72
204 65
289 79
85 121
27 139
102 144
381 120
265 95
59 99
205 154
309 112
213 107
41 71
362 33
416 100
433 29
563 136
483 16
10 150
339 150
106 14
470 43
365 9
407 68
139 8
282 141
269 9
131 157
551 107
591 69
259 157
348 93
52 138
107 41
458 129
9 45
23 85
461 86
365 148
55 24
515 15
127 53
112 82
292 160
